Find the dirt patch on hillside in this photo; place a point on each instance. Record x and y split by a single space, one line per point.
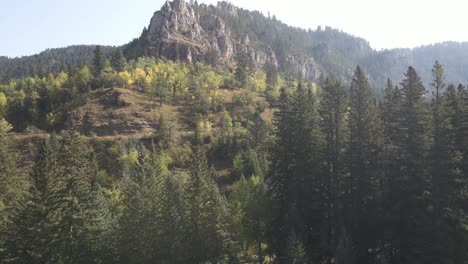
117 111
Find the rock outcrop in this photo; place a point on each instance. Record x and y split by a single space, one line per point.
178 32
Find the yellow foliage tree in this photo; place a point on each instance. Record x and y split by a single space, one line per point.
5 127
3 104
126 78
257 82
82 78
60 80
139 75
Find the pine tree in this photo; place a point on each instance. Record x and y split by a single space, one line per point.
244 67
458 104
163 133
280 153
30 235
226 128
102 228
271 76
260 132
442 148
295 175
98 61
118 61
281 176
332 109
71 206
171 231
410 182
454 105
139 224
309 186
250 213
205 221
391 109
12 184
453 210
363 151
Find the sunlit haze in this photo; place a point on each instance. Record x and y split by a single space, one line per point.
29 26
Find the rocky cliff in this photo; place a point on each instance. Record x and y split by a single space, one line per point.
178 32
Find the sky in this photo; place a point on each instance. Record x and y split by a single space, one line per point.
31 26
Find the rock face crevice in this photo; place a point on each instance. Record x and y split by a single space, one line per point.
178 32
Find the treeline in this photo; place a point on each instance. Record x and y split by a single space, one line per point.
48 61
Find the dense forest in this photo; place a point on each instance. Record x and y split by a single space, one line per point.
333 174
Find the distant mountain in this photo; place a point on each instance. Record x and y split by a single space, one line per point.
392 63
192 32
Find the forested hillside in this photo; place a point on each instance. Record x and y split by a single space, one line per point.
129 155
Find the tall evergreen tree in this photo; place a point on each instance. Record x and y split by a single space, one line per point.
410 181
332 109
30 235
12 185
296 168
446 178
138 226
250 212
171 231
271 76
391 109
118 61
71 207
455 107
244 67
452 196
441 145
98 61
363 152
163 133
206 211
280 170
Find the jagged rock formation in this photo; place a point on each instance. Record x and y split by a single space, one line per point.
178 32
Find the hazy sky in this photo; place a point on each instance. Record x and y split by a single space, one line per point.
30 26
